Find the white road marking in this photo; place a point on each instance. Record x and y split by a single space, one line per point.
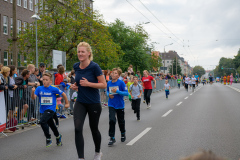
138 137
186 98
191 94
167 113
179 104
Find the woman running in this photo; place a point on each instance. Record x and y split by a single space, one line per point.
89 79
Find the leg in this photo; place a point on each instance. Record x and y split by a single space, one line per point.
44 122
145 95
94 112
121 120
112 121
52 125
79 115
134 105
56 119
149 92
137 107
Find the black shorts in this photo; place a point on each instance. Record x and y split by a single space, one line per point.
193 85
197 81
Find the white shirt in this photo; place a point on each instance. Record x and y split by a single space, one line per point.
194 80
166 86
187 79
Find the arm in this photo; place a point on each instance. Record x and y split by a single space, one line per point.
122 93
155 83
33 95
140 94
100 85
66 100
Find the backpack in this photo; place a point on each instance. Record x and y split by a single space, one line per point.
11 124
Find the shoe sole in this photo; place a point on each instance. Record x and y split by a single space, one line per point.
49 145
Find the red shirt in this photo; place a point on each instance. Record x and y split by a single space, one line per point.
147 81
58 79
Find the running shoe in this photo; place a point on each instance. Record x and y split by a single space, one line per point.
112 141
97 156
138 119
48 142
123 137
144 101
63 116
148 106
59 140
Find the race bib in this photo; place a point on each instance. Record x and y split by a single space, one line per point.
110 89
46 100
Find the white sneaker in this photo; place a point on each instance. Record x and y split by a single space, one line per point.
97 156
149 105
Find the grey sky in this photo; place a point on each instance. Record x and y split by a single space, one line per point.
211 28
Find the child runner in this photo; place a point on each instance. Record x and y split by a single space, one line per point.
193 82
187 79
147 81
129 83
135 91
167 88
116 90
197 79
179 81
47 99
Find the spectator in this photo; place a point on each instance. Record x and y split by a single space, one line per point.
72 77
36 73
59 75
130 69
203 155
42 71
1 65
22 83
121 77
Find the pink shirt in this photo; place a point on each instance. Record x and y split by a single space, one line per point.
231 78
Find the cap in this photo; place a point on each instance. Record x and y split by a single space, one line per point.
65 80
42 64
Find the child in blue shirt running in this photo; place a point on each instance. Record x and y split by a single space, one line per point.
116 90
167 88
47 100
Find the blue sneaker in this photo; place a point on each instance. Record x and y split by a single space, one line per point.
58 115
59 140
63 116
48 142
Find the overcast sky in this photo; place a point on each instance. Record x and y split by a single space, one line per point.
211 28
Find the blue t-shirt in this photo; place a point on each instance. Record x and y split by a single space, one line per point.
117 102
196 76
47 97
91 72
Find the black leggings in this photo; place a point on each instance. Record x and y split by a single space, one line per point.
147 94
79 114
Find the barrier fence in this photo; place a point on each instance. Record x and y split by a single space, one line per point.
22 111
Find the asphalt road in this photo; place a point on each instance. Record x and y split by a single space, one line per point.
186 122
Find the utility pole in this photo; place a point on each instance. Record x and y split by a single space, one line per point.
14 37
176 65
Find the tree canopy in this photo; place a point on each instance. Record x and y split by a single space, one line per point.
199 70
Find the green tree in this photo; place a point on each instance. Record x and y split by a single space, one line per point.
179 70
199 70
236 60
62 26
133 43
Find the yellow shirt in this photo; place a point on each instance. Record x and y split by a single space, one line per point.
129 84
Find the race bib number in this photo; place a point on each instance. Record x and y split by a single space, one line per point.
110 89
46 100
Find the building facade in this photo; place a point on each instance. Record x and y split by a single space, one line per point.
25 9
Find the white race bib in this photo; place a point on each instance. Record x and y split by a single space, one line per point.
110 89
46 100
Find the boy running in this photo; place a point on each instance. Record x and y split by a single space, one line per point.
193 82
47 99
179 81
135 90
167 88
116 90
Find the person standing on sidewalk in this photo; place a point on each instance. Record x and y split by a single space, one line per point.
47 99
89 79
135 90
147 82
116 90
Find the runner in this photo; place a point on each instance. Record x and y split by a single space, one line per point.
116 90
193 82
47 99
136 92
147 82
187 79
89 79
211 79
179 81
224 79
167 88
228 79
231 78
183 80
197 79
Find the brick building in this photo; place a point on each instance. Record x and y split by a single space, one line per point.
25 9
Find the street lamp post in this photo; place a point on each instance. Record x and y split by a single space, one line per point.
36 17
165 54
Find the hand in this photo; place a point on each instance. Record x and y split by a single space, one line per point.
74 86
6 87
38 84
132 97
38 77
155 87
67 105
84 82
41 79
111 96
25 86
114 90
33 89
139 96
15 86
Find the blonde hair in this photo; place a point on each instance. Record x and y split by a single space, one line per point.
146 71
4 70
30 66
88 47
118 70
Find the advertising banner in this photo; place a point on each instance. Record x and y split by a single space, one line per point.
2 112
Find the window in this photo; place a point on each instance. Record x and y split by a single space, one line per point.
19 26
5 0
10 1
31 5
5 58
24 26
25 60
11 20
11 59
19 2
25 3
36 6
5 25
